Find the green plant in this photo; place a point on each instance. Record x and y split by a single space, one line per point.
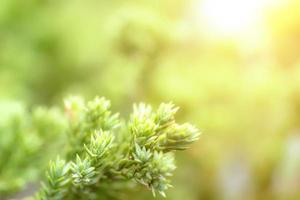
105 154
27 140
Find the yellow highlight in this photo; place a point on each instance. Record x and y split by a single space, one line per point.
233 17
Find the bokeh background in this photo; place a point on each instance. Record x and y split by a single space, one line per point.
233 67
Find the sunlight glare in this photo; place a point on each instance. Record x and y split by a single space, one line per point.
232 17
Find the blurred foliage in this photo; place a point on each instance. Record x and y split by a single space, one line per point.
27 141
243 93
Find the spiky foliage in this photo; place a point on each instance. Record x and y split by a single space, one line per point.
57 179
103 151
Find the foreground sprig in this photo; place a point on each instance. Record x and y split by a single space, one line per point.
103 151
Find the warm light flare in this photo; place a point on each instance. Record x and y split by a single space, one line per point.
233 17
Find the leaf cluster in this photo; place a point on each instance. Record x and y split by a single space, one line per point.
105 150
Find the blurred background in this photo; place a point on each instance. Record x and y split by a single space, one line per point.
233 67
